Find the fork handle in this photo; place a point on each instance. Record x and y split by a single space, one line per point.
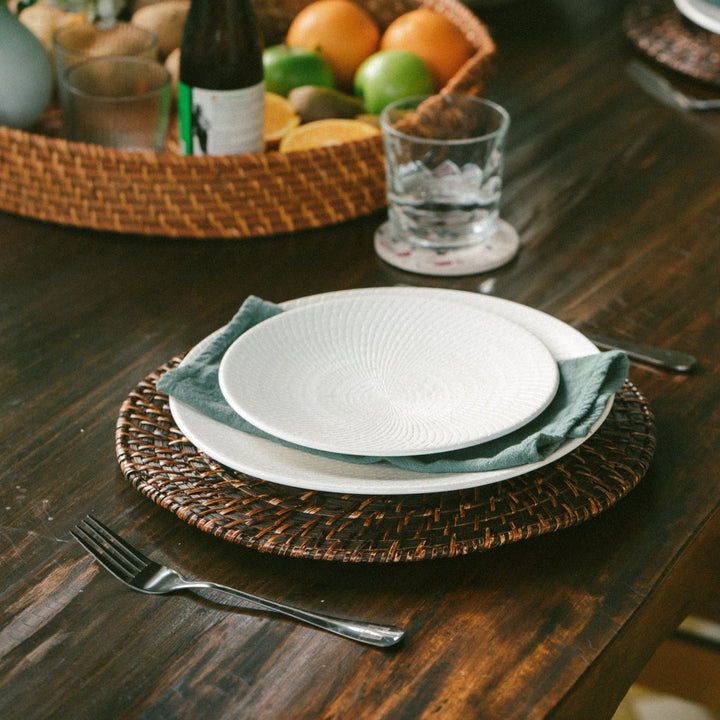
365 632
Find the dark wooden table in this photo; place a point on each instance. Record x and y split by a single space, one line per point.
617 202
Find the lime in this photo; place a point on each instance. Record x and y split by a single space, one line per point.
390 75
286 68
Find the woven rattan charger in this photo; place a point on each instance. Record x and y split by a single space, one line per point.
659 30
164 466
47 178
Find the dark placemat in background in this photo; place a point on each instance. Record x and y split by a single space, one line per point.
661 31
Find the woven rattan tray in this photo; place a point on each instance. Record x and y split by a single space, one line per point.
44 177
163 465
659 30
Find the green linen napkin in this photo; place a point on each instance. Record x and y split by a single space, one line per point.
585 385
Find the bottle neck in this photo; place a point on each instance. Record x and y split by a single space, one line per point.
221 47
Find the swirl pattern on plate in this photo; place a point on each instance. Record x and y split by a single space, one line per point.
367 375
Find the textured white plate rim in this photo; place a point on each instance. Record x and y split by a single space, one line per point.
701 13
284 413
267 460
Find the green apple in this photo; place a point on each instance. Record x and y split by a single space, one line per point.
286 68
390 75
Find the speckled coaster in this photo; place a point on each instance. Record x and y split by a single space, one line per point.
466 261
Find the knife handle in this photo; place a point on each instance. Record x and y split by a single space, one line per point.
668 359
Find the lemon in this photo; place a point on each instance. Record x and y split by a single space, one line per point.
324 133
280 117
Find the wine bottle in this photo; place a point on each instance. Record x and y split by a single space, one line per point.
221 90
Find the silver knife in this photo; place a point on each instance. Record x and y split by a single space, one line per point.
668 359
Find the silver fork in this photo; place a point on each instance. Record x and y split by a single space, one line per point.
660 88
141 573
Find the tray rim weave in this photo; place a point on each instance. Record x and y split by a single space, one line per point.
164 466
68 183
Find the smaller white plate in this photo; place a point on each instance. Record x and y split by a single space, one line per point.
702 13
377 376
274 462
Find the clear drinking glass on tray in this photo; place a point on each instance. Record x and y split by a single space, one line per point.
119 101
77 42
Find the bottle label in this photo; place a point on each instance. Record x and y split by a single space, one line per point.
221 122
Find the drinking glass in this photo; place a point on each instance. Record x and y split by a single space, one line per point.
79 41
444 160
75 42
120 101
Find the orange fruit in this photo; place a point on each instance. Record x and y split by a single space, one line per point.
340 31
323 133
432 36
280 118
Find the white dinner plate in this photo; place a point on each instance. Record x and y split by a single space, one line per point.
360 375
271 461
702 13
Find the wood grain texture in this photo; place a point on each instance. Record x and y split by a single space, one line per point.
618 206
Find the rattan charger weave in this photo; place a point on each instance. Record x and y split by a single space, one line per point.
164 466
658 29
44 177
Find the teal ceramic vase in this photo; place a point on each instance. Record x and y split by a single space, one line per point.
26 79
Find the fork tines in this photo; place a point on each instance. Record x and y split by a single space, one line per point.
108 548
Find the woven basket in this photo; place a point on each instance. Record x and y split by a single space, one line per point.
47 178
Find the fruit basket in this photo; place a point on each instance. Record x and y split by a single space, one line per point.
45 177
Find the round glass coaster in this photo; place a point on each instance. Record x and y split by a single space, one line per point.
466 261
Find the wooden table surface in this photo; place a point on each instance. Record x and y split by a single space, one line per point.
617 202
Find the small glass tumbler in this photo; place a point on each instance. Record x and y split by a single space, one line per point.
119 101
79 41
444 158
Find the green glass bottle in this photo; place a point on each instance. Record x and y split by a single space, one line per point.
221 91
